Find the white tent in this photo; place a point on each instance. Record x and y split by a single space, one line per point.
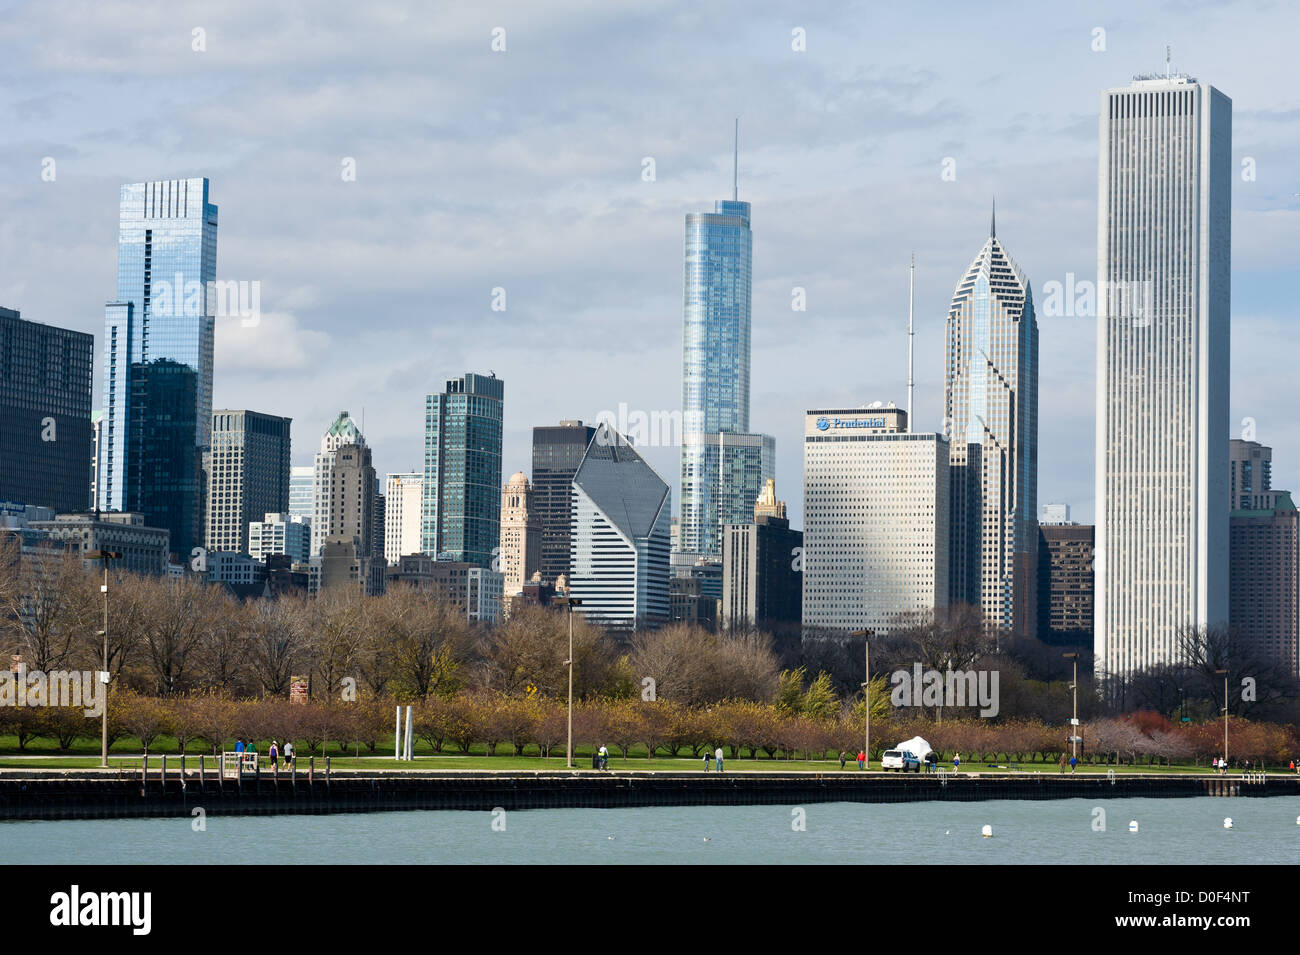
916 746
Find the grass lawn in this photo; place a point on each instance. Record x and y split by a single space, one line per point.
125 754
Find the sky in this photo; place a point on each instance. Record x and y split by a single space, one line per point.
867 133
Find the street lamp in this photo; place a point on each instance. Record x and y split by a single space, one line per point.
1074 719
570 602
1224 674
105 556
866 636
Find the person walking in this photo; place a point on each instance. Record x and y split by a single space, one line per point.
239 744
717 757
1074 762
604 757
274 754
707 756
843 759
1062 769
862 759
288 755
956 762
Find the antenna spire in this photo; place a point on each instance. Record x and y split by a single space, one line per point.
911 281
735 164
1168 57
993 220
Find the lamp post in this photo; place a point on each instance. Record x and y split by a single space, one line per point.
866 636
570 602
1224 674
1074 717
105 556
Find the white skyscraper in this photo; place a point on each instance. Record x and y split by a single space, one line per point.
402 496
876 513
1163 256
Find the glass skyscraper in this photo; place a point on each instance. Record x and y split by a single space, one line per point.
461 513
991 412
557 452
715 380
159 326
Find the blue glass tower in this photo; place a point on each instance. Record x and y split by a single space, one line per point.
461 510
162 321
715 379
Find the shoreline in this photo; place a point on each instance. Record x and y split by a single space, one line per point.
98 794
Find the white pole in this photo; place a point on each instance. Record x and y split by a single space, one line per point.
911 275
410 732
397 736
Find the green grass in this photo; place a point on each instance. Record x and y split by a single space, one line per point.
127 758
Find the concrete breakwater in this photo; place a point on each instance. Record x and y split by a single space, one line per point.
90 795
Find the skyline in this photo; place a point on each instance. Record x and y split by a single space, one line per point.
840 159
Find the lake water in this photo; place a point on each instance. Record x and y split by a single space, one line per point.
1055 831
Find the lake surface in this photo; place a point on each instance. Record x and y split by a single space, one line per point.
1053 831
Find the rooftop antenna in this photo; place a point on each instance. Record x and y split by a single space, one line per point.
911 281
1168 56
993 220
735 164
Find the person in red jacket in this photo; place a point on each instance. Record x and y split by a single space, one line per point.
862 760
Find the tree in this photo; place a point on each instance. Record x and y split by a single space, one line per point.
45 602
277 642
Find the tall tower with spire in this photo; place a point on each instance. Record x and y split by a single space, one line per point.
723 466
991 418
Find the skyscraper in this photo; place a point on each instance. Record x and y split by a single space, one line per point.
1163 250
462 470
557 452
158 336
619 548
45 421
721 477
247 471
876 511
347 554
402 501
521 534
991 411
343 431
302 491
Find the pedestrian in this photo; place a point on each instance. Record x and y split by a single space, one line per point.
239 744
717 757
1074 762
1062 763
956 762
862 759
843 759
604 757
1293 765
931 761
274 754
707 756
288 755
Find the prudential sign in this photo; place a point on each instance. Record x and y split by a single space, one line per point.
836 424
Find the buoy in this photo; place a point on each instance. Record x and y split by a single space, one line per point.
706 838
948 832
1133 825
1227 823
987 832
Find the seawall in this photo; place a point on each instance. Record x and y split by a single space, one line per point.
56 794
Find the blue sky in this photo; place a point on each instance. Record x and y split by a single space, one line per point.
522 169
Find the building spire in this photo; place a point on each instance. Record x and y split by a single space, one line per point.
735 164
993 220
